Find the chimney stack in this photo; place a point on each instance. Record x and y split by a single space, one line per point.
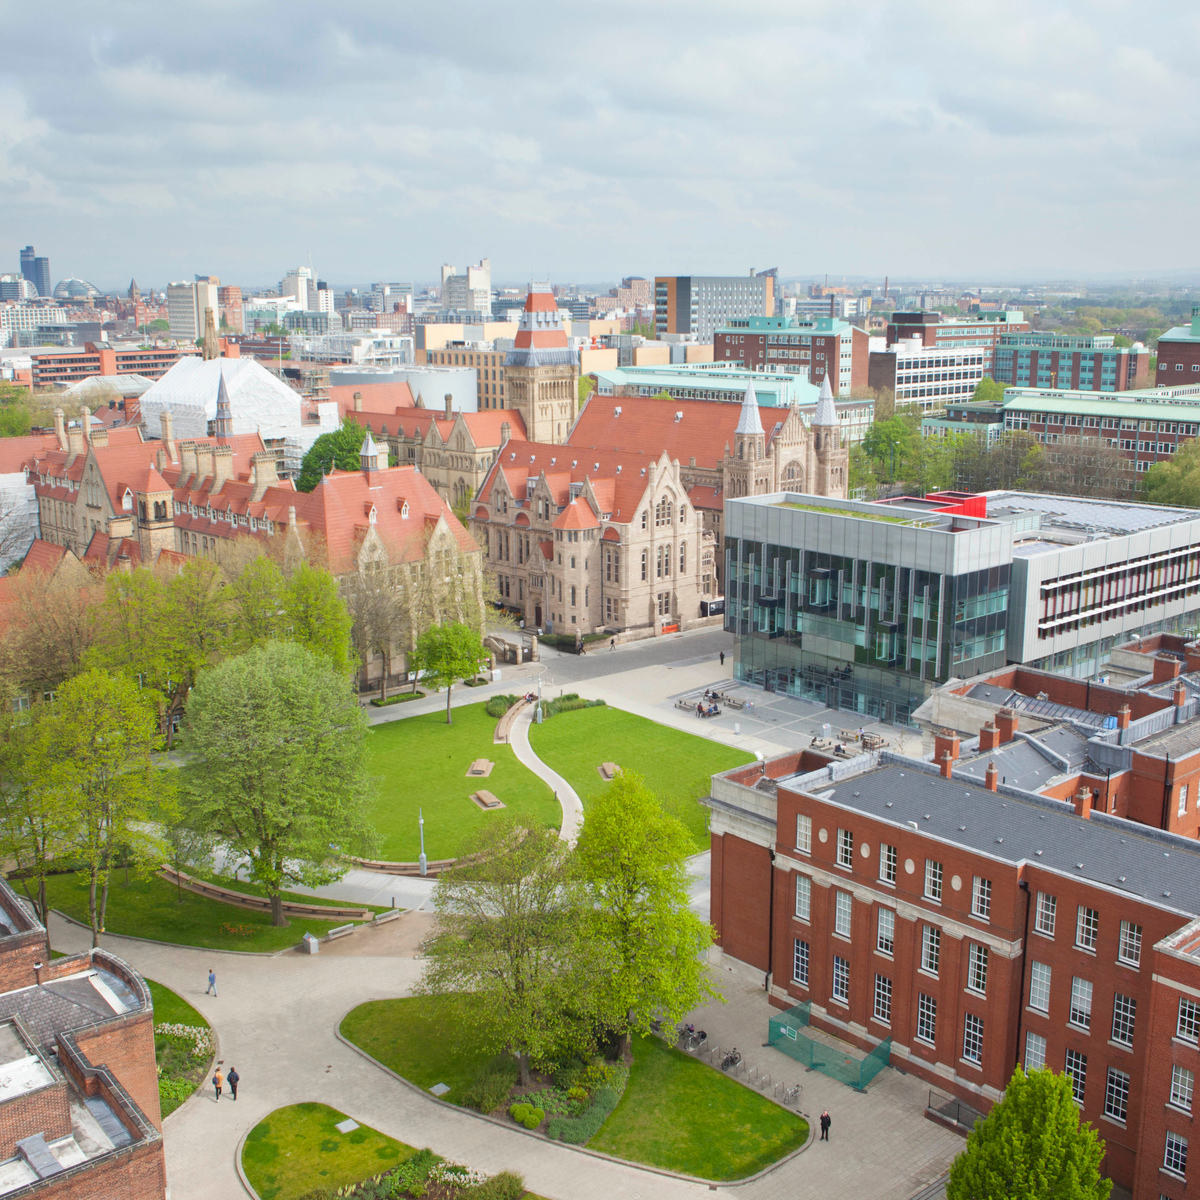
263 472
358 401
1179 696
947 765
1083 801
989 737
945 742
1006 725
1166 667
449 406
168 433
85 423
991 777
222 465
60 428
188 466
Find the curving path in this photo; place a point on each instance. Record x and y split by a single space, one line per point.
567 796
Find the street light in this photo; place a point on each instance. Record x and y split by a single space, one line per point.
421 824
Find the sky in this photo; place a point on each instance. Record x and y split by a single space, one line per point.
931 139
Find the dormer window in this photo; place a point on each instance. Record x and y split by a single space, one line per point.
404 511
127 501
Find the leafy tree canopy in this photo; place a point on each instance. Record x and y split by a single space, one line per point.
277 745
1032 1144
1176 481
447 653
339 449
988 391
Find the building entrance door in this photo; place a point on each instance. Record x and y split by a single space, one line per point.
537 615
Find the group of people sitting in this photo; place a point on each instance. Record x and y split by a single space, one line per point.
707 710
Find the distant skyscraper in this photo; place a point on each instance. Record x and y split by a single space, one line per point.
186 304
299 284
37 270
469 293
701 304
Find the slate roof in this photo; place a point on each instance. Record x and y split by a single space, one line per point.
1158 867
1031 760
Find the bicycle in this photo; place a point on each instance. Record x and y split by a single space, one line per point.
731 1060
791 1096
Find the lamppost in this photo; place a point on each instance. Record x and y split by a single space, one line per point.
421 824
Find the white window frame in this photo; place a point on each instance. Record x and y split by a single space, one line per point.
800 961
887 863
841 979
1035 1051
1087 928
1124 1019
973 1039
803 833
926 1018
885 931
1129 948
1080 1012
931 949
1040 976
1046 915
933 880
1175 1147
1076 1073
845 848
843 913
882 1010
1187 1024
977 968
803 898
1183 1086
981 898
1116 1095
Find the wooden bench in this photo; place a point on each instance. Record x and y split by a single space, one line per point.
480 768
608 770
486 800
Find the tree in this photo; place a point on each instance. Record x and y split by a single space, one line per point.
890 444
1176 481
277 750
89 758
1032 1144
15 419
507 935
339 449
446 654
632 860
988 391
316 615
587 384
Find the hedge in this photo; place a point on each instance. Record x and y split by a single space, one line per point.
399 698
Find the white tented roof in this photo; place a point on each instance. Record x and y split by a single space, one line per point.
258 401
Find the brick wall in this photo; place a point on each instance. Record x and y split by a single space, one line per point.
45 1111
134 1173
739 912
126 1048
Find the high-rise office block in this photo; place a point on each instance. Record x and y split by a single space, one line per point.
186 305
36 269
700 304
470 292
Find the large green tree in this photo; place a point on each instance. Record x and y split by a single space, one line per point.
339 450
988 391
1176 481
277 746
1033 1145
447 653
507 934
632 860
88 760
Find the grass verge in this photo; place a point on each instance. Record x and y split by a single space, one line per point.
680 1114
182 1061
421 766
676 766
297 1149
152 908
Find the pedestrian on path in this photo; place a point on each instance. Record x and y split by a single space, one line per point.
612 643
826 1121
722 658
219 1083
233 1078
212 982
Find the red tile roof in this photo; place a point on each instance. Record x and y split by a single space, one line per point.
577 515
43 556
647 424
383 397
16 453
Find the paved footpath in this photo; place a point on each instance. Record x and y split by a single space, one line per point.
564 793
275 1020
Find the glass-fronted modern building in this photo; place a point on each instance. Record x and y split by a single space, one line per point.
867 607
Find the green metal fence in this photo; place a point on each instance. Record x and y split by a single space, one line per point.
786 1033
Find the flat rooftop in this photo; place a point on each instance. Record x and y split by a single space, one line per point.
1088 520
1160 868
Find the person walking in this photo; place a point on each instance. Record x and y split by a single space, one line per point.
212 982
233 1078
722 658
612 643
826 1121
219 1083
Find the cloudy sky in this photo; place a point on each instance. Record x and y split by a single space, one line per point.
931 138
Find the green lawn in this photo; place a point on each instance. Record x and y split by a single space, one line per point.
680 1114
413 1036
298 1149
181 1069
677 1112
421 763
152 908
676 766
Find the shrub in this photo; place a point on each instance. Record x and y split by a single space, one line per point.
409 1178
497 706
527 1114
508 1185
568 703
578 1130
490 1088
399 698
173 1090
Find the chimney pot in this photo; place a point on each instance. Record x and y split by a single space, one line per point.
1123 714
1083 802
1006 725
989 737
947 765
1166 666
991 777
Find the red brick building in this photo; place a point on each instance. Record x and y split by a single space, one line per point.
79 1112
1179 354
57 368
977 925
819 348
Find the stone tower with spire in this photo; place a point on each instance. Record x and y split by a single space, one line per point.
831 459
747 471
223 424
372 456
541 372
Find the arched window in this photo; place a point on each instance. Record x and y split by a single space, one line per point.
662 512
683 558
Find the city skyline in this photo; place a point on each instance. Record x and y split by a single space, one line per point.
929 141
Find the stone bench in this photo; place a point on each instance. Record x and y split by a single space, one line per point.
608 770
486 800
505 724
481 768
340 931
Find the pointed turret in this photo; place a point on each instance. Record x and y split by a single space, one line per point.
372 456
826 413
750 420
223 425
